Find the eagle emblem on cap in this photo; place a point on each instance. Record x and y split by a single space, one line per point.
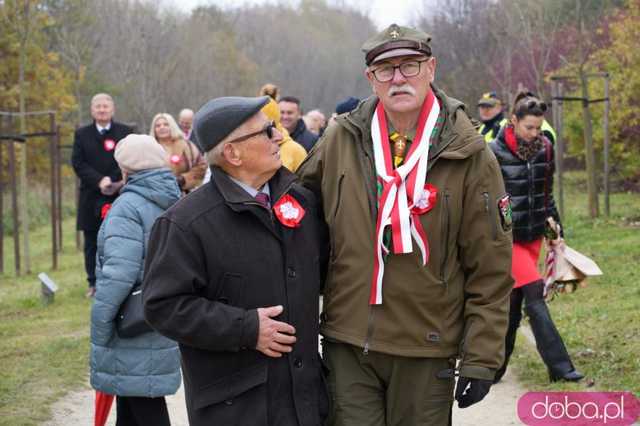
394 31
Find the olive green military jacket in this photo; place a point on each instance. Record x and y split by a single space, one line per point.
456 305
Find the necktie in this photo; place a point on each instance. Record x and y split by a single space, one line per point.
263 199
103 131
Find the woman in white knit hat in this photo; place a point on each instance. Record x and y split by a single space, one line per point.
140 370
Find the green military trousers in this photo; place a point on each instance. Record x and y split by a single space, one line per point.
377 389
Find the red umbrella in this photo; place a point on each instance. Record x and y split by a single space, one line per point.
103 406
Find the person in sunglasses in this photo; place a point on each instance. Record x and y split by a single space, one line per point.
233 275
526 157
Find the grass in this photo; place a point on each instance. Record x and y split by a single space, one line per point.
600 324
43 349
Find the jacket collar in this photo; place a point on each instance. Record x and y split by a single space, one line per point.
299 130
451 146
233 194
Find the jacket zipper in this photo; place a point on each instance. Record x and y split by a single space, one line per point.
445 237
335 213
530 195
365 351
488 209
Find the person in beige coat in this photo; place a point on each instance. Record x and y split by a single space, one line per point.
185 160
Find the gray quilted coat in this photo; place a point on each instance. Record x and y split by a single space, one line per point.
147 365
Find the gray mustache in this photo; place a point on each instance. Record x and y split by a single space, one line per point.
404 88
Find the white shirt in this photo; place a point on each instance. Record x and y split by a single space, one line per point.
106 128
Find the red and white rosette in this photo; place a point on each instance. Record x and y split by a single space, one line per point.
288 211
427 200
109 145
175 159
402 189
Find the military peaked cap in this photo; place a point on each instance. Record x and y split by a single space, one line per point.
396 41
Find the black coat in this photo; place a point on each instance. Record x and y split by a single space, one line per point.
214 258
530 185
91 162
303 136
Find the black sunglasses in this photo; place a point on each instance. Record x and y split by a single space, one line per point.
268 129
533 104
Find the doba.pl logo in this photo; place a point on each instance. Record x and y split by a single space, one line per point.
578 408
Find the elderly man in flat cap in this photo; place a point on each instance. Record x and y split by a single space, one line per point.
233 275
419 271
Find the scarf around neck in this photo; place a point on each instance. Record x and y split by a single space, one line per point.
403 190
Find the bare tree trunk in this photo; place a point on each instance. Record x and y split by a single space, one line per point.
589 154
24 214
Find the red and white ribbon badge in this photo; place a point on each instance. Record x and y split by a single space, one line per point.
175 159
401 189
288 211
109 145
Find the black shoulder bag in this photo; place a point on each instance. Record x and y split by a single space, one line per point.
130 320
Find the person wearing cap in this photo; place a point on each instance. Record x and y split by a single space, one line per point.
420 253
491 114
99 175
233 275
139 370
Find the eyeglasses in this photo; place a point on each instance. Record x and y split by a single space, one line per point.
268 129
408 69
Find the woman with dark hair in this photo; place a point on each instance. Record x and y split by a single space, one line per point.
526 160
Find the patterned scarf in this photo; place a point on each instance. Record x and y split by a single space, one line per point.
522 149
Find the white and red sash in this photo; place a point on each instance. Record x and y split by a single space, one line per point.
403 189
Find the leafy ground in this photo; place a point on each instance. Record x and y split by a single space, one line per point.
600 324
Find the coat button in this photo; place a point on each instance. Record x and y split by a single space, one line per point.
229 402
297 362
291 273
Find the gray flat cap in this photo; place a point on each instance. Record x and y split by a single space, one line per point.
221 116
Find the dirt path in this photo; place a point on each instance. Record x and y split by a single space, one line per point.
498 409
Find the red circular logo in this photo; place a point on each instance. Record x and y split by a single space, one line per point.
109 145
175 159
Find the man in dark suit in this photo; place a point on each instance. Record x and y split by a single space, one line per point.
99 174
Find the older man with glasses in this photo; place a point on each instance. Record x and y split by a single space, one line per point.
233 275
419 270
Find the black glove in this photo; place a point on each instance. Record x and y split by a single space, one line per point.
476 390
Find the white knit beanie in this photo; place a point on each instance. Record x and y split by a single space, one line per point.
140 152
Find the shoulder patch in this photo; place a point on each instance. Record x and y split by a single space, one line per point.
504 208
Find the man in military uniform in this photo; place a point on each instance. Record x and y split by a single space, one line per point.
491 112
420 251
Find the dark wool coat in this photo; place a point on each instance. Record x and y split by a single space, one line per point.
530 185
303 136
91 162
214 258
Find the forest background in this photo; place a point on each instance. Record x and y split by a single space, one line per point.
153 57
